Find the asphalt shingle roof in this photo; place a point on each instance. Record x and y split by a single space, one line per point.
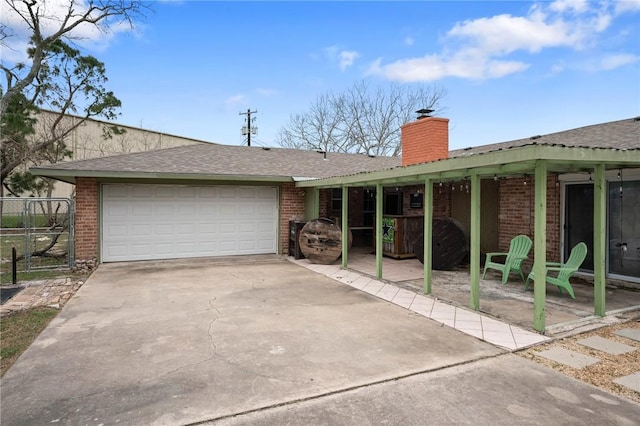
213 159
622 134
228 160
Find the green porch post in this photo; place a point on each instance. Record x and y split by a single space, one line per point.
379 199
599 241
428 234
311 203
475 242
345 226
540 249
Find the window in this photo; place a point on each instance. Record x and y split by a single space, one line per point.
336 199
368 207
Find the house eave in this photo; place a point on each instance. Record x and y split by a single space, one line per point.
517 160
70 176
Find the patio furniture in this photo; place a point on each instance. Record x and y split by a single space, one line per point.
518 251
565 270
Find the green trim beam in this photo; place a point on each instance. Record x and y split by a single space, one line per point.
311 203
476 186
345 226
428 235
379 199
511 161
599 239
540 247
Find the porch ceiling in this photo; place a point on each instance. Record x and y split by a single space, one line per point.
513 161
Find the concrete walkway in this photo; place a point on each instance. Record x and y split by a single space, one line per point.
469 322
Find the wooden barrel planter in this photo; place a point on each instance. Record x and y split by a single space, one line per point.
320 241
449 244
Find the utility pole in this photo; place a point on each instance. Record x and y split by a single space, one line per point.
248 130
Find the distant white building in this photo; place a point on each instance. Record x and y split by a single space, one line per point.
87 141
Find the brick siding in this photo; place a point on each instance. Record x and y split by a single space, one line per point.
325 199
441 200
291 208
516 214
86 223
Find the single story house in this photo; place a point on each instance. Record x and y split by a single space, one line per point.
211 200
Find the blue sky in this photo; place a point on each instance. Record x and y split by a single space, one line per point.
510 69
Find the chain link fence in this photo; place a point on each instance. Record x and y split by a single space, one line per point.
41 232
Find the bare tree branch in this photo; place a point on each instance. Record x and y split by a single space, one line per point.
362 119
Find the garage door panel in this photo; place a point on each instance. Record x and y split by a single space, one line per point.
162 249
186 229
141 222
187 209
118 230
227 192
142 191
187 192
141 230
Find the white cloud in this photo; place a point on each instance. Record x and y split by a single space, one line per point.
343 58
624 6
481 48
409 41
465 64
611 62
347 58
563 6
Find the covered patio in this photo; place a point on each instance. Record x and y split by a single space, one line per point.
536 160
510 303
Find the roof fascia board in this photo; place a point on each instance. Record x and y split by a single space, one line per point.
514 160
70 175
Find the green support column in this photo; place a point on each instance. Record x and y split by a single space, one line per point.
379 199
311 203
599 241
540 250
428 234
474 302
345 226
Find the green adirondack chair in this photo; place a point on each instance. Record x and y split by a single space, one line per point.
518 251
564 270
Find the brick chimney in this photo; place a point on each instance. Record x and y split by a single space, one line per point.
423 140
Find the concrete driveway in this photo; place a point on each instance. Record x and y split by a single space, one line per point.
270 342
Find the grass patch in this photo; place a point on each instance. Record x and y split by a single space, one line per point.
17 220
6 277
18 330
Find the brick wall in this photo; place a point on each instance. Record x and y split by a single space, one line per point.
423 140
86 223
441 200
516 214
291 208
325 199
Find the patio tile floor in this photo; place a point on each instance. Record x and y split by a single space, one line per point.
466 321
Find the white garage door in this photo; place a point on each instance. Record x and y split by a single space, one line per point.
145 222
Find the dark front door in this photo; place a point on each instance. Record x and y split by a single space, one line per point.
578 220
624 228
